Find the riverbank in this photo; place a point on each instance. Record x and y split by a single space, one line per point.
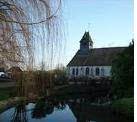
7 93
5 104
124 106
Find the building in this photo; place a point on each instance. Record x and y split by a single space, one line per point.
3 66
92 62
13 70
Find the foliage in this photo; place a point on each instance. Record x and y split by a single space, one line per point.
123 73
44 80
90 81
124 106
60 77
6 93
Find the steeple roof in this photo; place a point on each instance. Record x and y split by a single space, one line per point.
86 37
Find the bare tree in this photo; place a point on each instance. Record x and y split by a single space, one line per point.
29 32
26 25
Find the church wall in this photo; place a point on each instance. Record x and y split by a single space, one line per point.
104 71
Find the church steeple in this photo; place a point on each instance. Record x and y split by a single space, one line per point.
86 42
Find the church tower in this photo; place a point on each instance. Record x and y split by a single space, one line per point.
86 42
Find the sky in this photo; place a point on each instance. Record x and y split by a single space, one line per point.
110 23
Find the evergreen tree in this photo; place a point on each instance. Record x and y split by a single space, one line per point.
123 73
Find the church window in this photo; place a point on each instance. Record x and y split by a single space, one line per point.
91 70
97 71
77 71
102 71
87 71
73 71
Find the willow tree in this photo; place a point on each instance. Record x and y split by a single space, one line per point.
29 32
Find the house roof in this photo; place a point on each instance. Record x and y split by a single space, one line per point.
15 69
96 57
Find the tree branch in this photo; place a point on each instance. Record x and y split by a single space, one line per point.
34 23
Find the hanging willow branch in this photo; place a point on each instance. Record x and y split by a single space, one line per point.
29 23
16 16
30 33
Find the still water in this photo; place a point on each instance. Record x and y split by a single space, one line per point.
63 109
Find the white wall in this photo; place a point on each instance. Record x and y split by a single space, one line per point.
104 71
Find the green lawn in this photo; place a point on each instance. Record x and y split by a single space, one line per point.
6 93
124 106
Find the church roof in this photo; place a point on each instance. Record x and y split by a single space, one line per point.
86 37
96 57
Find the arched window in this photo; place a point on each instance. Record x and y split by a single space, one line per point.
73 71
97 72
76 71
87 71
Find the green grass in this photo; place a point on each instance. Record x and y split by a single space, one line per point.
124 106
6 93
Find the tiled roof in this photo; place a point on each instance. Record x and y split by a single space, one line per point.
96 57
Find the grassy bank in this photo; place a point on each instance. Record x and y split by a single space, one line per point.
7 93
124 106
5 104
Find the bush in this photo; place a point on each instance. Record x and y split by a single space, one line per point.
123 72
124 106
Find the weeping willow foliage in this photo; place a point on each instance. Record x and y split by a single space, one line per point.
30 33
28 29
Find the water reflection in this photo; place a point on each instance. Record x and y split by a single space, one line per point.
43 108
63 109
20 114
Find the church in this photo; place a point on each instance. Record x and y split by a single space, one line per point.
92 62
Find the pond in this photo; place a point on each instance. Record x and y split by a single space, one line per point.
82 108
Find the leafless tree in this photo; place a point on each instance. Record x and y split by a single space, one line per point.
29 32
